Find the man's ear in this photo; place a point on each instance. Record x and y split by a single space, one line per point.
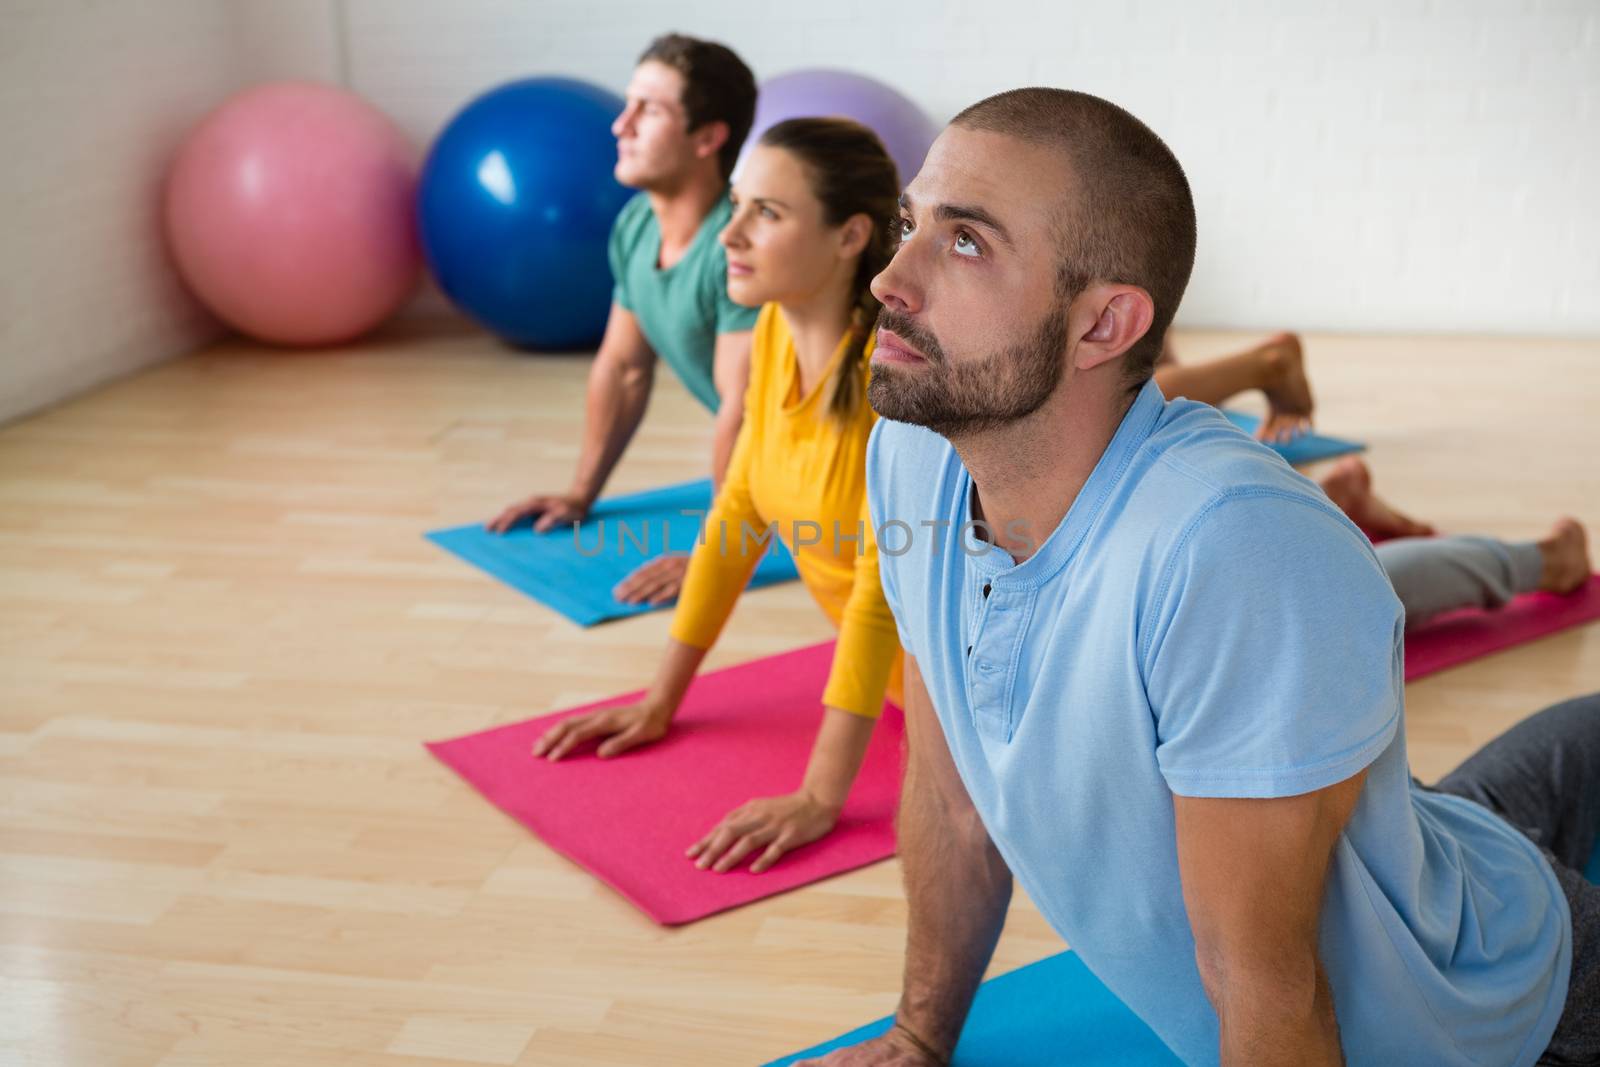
1123 314
709 139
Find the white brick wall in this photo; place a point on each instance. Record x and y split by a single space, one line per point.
1404 165
94 97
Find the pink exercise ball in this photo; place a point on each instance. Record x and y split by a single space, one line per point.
290 212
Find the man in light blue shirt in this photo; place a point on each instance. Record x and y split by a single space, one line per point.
1156 675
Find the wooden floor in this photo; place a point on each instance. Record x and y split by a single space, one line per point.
223 638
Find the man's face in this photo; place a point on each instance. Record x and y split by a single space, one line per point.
653 146
973 332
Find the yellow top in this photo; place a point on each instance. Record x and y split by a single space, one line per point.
797 467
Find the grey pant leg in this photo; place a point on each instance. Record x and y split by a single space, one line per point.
1434 574
1577 1038
1543 776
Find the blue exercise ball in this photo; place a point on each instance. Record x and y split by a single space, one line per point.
515 207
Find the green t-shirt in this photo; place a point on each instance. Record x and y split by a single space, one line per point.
681 310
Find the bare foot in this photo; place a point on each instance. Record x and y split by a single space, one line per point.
1288 390
1348 484
1566 557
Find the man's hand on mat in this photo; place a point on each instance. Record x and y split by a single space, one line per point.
547 512
655 582
777 824
895 1048
623 728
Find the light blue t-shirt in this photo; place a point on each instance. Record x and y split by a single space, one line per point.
1204 622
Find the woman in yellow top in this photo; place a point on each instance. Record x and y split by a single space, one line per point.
811 227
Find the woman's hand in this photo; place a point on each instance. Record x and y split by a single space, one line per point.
623 728
781 824
655 582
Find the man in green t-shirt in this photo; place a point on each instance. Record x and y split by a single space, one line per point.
689 107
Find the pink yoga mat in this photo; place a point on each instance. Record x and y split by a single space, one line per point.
742 733
1458 636
746 732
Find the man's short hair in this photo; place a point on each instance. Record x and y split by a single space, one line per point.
1131 220
717 87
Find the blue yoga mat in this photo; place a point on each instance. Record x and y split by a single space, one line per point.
1050 1012
1041 1015
1308 448
574 574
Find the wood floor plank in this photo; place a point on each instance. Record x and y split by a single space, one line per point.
223 640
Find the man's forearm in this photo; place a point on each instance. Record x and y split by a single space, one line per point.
615 405
957 889
1279 1018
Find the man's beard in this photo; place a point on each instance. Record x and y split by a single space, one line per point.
972 396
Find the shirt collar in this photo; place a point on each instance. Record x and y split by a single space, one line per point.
1062 544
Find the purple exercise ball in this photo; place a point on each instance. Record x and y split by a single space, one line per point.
902 126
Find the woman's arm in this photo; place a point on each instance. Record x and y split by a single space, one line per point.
628 725
719 569
863 660
781 824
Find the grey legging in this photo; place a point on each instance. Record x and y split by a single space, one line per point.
1434 574
1543 777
